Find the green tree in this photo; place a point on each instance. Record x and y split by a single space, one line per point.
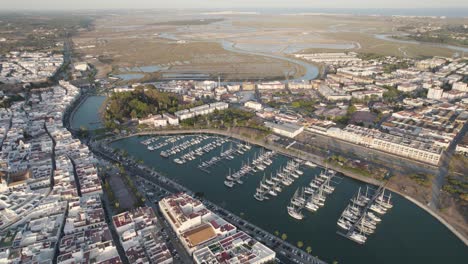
352 109
309 249
277 233
284 236
133 114
300 244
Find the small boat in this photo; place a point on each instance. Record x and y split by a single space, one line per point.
311 164
355 236
272 193
378 209
344 224
295 213
270 181
373 217
259 197
311 207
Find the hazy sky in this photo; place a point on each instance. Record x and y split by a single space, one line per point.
111 4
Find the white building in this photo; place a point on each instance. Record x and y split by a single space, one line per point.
299 85
184 114
460 86
408 87
285 129
81 66
237 248
435 93
193 223
201 110
276 85
233 88
367 94
171 119
160 121
254 105
402 146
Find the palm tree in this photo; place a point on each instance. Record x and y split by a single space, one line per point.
308 249
277 233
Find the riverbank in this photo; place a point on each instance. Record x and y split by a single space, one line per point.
81 100
303 155
84 116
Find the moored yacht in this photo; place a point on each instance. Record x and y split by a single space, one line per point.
295 212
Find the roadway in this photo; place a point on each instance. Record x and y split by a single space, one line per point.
439 180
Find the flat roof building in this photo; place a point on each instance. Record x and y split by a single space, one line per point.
193 223
285 129
237 248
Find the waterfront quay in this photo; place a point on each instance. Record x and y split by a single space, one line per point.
287 252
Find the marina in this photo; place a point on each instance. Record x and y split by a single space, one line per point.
403 229
361 216
182 146
270 187
313 196
259 163
227 155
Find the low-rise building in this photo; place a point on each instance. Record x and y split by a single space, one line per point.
408 87
254 105
141 238
248 86
171 119
414 148
201 110
299 85
460 86
275 85
435 93
285 129
193 223
237 248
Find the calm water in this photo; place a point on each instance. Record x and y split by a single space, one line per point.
87 114
146 69
129 76
449 12
291 48
311 73
389 38
407 234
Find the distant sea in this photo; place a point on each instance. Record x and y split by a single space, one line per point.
447 12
